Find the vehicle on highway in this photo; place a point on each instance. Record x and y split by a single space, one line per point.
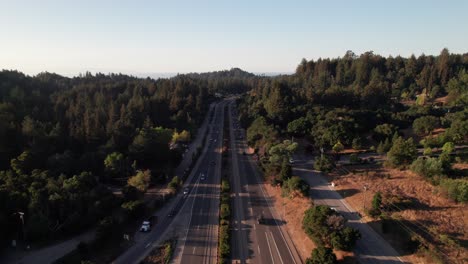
172 213
147 224
260 219
202 176
186 190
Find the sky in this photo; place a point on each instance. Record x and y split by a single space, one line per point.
147 37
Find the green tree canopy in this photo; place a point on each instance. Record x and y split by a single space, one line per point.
322 255
425 124
141 180
402 152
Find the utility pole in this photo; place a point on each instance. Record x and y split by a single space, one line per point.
21 215
365 195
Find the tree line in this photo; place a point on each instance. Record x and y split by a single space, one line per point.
62 139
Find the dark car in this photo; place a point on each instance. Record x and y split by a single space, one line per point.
260 220
172 213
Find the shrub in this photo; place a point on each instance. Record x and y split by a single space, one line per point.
225 211
295 185
141 180
175 183
427 167
425 124
134 209
225 187
224 246
345 239
402 152
455 189
324 163
356 144
322 255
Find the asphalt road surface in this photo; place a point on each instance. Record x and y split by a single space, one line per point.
251 241
145 242
201 242
371 248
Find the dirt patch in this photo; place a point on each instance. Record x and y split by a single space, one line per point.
293 212
431 213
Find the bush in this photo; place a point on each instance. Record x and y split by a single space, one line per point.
175 183
455 189
295 185
224 246
225 211
326 227
427 167
134 209
402 152
356 144
425 124
345 239
322 255
225 187
141 180
324 163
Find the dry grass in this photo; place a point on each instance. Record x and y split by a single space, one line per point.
429 208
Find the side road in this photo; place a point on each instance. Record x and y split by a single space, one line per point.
53 252
371 248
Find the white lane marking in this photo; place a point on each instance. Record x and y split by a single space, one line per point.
194 249
276 246
269 247
147 245
191 216
271 210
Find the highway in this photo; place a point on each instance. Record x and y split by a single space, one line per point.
371 248
200 244
253 242
184 205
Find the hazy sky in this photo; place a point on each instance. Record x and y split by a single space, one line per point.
139 37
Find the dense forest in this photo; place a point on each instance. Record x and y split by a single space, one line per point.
366 103
63 139
347 99
410 113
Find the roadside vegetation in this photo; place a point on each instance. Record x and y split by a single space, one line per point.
327 229
368 111
224 236
162 254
